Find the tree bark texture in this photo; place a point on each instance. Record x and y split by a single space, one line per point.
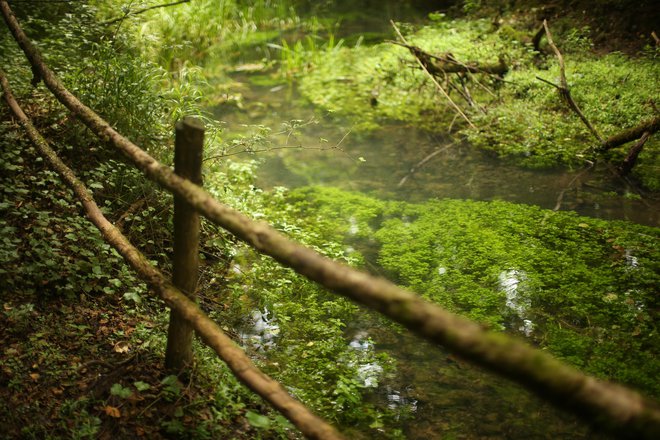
240 364
606 406
649 126
188 148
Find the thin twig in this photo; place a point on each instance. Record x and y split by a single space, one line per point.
438 86
422 162
560 198
564 91
141 11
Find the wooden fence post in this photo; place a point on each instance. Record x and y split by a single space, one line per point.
188 164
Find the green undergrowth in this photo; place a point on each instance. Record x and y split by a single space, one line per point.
582 288
533 125
306 348
520 118
52 257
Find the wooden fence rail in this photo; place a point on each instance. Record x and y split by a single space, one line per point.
605 405
239 363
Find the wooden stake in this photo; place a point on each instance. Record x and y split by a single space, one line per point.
187 164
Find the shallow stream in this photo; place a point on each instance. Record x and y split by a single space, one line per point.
436 395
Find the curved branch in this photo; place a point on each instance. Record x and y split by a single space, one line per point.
564 90
240 364
605 405
142 11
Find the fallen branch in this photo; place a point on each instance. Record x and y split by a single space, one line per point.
141 11
649 126
421 163
240 364
631 158
438 65
560 197
437 85
135 206
563 88
606 406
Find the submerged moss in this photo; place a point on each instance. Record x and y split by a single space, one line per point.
583 288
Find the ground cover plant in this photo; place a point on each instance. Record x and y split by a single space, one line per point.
520 117
581 287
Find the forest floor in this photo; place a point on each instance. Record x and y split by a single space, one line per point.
87 362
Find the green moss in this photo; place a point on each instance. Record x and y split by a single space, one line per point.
524 120
533 125
382 81
587 285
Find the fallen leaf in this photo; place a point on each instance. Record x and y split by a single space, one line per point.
34 376
121 347
112 411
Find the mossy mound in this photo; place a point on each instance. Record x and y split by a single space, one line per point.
583 288
520 118
380 82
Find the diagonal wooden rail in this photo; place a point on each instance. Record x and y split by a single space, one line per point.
239 363
604 405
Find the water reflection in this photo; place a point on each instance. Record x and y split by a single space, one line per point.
261 330
389 155
516 300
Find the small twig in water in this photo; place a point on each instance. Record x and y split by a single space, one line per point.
560 198
422 162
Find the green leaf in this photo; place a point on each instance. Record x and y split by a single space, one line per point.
141 386
257 420
118 390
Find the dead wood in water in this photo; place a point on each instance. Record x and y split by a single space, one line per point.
438 65
631 159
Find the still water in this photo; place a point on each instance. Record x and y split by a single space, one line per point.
405 163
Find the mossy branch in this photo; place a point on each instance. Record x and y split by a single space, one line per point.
239 363
439 65
650 126
606 406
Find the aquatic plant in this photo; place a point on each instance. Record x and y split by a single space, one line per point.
581 287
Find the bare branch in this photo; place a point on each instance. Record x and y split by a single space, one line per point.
141 11
564 91
437 85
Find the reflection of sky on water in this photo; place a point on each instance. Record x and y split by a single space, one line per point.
516 301
261 331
